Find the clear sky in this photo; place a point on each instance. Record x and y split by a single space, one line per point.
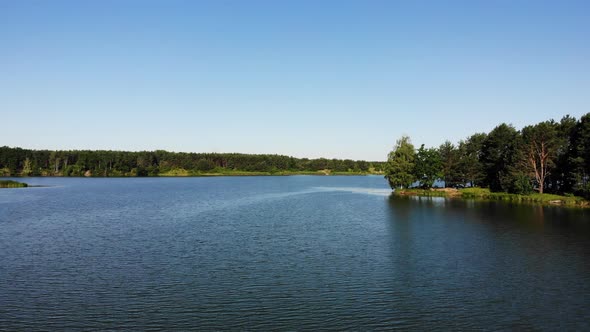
335 79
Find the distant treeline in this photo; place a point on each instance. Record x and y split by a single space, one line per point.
24 162
549 157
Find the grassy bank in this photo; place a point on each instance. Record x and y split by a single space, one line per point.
486 194
12 184
423 192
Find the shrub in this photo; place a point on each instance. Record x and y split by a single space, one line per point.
521 184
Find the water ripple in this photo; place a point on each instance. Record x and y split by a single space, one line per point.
288 253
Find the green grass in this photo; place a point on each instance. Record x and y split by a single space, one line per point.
536 197
12 184
175 172
420 192
486 194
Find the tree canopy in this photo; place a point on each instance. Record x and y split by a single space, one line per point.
24 162
428 166
399 169
550 156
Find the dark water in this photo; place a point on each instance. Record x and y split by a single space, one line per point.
294 253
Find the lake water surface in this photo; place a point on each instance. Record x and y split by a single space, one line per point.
288 253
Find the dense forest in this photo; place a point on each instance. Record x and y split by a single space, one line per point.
548 157
23 162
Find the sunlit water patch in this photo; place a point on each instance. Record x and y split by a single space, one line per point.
358 190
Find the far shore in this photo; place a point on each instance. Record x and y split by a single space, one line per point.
183 173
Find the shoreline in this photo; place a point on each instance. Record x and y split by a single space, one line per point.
203 175
485 194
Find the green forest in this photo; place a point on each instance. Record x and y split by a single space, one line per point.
24 162
548 157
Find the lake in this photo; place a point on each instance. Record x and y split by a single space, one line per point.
286 253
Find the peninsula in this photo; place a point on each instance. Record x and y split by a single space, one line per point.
548 162
12 184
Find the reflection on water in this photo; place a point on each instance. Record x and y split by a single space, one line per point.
492 264
530 215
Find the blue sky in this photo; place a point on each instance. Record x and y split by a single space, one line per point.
336 79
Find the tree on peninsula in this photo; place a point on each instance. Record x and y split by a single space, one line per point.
399 169
428 166
549 157
449 156
539 149
498 156
469 164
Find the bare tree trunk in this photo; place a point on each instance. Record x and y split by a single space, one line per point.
538 156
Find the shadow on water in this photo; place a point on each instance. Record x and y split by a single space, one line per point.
502 214
454 260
